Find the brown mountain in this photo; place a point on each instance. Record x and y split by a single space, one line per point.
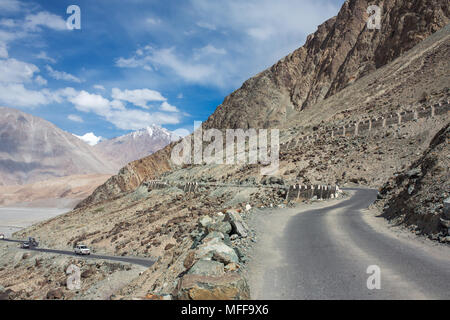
33 149
340 52
321 81
338 79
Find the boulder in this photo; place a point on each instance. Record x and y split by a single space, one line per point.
230 286
447 208
207 268
205 221
55 294
219 249
189 260
222 226
238 225
197 236
213 235
272 180
232 267
87 273
417 172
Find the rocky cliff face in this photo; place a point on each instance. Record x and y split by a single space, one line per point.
416 196
32 149
131 176
295 89
340 52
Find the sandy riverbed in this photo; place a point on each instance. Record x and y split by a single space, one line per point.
14 219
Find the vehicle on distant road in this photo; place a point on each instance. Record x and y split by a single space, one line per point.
25 245
82 249
2 236
32 241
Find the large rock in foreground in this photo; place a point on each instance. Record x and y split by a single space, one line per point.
230 286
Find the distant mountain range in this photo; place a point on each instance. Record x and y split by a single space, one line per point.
33 149
135 145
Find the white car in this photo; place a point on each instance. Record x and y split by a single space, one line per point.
2 236
82 250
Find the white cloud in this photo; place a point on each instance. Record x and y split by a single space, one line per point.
3 51
133 62
201 66
117 105
206 25
16 95
137 119
261 33
61 75
6 36
99 87
33 22
90 138
87 102
43 56
9 23
208 50
153 21
168 107
115 112
40 81
67 93
9 5
189 71
249 36
138 97
75 118
15 71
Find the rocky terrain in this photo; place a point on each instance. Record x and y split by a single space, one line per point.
339 53
345 74
419 195
37 276
416 79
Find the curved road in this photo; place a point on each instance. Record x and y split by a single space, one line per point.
133 260
324 253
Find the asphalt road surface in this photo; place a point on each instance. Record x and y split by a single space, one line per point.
133 260
325 253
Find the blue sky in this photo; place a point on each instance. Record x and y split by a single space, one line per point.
138 62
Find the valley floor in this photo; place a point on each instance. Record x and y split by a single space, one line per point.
14 219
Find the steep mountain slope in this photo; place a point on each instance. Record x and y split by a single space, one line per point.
32 149
136 145
291 94
341 51
416 195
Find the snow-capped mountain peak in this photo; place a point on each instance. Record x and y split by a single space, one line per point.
136 145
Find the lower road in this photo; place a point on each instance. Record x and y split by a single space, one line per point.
133 260
330 252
